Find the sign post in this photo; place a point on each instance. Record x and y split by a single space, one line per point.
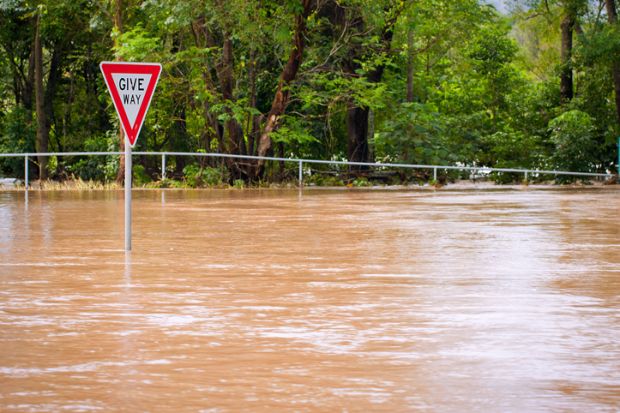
128 184
131 86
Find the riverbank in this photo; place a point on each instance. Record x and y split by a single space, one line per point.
9 184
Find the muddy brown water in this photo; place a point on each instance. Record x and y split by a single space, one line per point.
262 301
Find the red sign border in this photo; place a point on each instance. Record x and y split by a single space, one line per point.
131 68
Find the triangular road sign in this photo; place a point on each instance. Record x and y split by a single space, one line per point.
131 86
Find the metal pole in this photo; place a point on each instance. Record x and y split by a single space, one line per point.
526 177
301 178
26 172
128 170
163 167
435 175
445 168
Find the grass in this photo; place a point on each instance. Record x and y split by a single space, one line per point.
329 181
75 184
68 185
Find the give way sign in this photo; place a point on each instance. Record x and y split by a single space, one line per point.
131 86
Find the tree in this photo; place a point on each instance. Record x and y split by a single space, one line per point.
425 81
42 126
612 17
571 10
116 34
289 72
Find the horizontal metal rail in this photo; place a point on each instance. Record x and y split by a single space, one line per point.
300 162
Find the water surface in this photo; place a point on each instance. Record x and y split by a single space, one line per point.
383 301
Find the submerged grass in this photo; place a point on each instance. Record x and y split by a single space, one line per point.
77 184
67 185
81 185
332 182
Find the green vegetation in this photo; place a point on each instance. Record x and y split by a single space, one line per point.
425 81
195 176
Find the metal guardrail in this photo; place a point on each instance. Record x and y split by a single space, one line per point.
300 162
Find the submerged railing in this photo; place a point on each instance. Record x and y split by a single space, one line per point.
301 162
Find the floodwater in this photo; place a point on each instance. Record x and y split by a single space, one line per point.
263 301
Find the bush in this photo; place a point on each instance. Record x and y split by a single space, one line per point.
96 168
574 135
140 177
361 182
166 183
191 175
319 179
413 134
16 136
512 150
214 176
507 177
196 176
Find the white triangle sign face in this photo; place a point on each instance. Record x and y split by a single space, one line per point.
131 86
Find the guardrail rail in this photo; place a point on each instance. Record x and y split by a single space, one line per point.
301 162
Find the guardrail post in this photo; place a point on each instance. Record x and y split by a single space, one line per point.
435 175
26 172
526 177
163 166
301 178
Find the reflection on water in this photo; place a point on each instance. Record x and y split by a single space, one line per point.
330 301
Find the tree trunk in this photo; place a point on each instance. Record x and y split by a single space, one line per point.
53 78
178 136
42 131
357 117
118 28
236 144
212 128
282 163
357 133
612 17
28 86
410 68
566 75
280 100
253 124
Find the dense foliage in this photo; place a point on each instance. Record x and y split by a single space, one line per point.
425 81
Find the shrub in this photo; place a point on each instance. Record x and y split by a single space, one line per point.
574 135
361 182
17 135
214 176
196 176
140 177
96 168
191 175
